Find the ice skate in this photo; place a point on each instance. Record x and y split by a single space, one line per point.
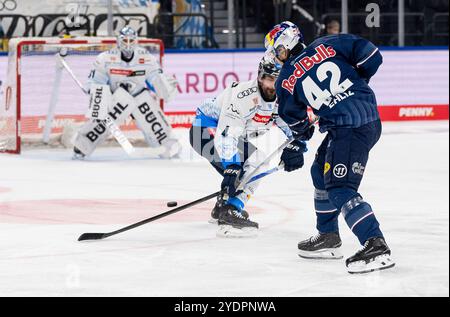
321 246
374 256
78 155
235 224
218 207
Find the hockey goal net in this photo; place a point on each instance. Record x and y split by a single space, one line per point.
40 99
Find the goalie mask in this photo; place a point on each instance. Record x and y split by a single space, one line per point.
127 41
282 39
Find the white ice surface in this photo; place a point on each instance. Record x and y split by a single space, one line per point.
47 201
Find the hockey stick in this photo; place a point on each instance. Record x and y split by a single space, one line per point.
267 173
108 122
247 180
100 236
250 176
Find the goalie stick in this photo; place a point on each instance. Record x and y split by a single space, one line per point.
109 123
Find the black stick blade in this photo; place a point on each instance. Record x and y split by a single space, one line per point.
91 236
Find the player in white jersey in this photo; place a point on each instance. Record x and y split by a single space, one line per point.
223 131
136 81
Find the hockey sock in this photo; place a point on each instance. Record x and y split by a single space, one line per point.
357 213
236 202
327 214
361 219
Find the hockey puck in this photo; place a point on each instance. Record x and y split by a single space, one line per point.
171 204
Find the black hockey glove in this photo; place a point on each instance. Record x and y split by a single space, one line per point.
231 175
303 130
292 156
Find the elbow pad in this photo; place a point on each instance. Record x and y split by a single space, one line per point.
371 66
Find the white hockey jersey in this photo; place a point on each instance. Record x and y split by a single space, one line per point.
142 72
239 112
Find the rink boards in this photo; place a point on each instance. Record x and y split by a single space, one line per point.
411 85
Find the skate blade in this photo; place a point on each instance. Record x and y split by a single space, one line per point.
325 254
77 157
227 231
382 262
213 221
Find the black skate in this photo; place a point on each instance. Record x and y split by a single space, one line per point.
217 209
321 246
374 256
78 155
235 224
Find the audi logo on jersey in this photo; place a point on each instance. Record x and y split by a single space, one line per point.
306 63
247 92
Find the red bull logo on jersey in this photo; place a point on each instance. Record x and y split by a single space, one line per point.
307 63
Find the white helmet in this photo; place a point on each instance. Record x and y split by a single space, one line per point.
127 41
286 35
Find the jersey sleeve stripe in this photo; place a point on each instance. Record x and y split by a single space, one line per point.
365 60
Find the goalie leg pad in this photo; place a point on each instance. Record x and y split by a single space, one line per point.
153 123
151 119
94 132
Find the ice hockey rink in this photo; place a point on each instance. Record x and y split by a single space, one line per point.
47 200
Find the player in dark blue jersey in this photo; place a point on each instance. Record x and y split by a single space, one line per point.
331 75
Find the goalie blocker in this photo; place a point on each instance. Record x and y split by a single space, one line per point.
145 110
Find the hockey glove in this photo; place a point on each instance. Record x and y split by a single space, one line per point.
231 175
303 130
292 156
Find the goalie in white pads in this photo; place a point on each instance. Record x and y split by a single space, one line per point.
222 133
127 81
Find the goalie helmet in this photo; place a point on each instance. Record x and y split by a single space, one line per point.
127 41
285 35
